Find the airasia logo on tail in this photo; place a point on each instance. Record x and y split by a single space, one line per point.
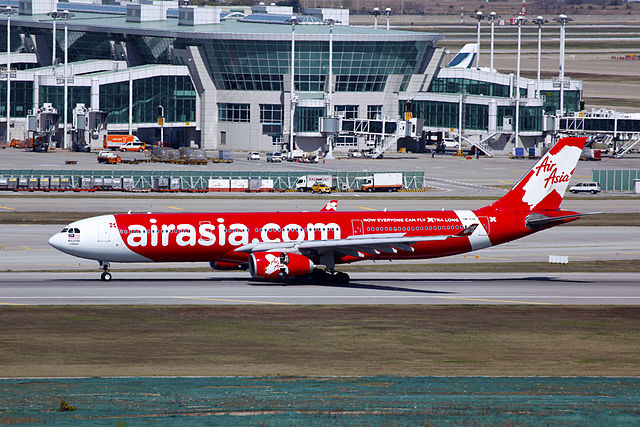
551 174
554 178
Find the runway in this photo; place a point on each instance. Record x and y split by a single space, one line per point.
365 288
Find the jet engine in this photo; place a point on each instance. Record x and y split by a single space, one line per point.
278 265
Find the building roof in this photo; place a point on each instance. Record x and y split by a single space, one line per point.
227 29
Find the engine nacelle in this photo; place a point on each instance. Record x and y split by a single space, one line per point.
279 265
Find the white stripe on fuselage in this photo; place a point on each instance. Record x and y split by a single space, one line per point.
480 238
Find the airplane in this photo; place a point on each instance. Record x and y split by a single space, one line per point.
284 245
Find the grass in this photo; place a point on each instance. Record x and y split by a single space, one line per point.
319 340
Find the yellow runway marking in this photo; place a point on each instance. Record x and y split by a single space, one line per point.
176 208
506 182
237 300
486 257
7 208
10 303
630 253
497 300
366 209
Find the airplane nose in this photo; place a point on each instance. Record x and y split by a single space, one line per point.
56 241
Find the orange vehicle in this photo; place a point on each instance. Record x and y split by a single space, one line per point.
134 146
116 142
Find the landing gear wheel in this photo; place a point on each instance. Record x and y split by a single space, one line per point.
342 278
320 275
105 276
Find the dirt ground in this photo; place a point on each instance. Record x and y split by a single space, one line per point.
323 340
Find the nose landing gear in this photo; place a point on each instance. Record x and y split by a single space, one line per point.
105 276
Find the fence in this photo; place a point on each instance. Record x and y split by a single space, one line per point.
616 180
179 180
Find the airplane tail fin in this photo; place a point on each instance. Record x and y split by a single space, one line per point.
465 57
543 187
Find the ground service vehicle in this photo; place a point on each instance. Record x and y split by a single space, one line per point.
274 157
133 146
381 182
281 245
253 155
106 156
115 142
585 187
320 187
305 182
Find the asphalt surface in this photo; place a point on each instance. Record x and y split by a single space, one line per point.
365 288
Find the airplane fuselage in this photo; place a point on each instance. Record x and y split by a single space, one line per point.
216 237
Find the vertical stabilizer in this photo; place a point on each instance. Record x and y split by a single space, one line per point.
543 187
464 58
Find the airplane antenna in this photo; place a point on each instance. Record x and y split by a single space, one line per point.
129 213
385 209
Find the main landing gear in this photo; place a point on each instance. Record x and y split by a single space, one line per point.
105 276
324 276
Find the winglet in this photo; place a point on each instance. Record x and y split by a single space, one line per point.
331 206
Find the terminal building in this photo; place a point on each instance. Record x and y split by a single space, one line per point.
223 77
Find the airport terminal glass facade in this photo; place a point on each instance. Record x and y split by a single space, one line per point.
529 120
55 96
306 119
175 93
21 98
262 64
471 87
552 101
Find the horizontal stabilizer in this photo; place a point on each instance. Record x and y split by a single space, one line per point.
536 220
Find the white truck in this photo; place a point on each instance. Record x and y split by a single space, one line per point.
305 182
381 182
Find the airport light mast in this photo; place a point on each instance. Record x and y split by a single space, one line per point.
539 21
8 11
65 15
292 107
562 19
375 12
520 21
330 137
387 11
491 18
479 16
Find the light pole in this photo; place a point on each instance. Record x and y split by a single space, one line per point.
375 12
330 88
539 21
492 18
8 11
562 19
65 15
387 11
292 106
521 20
479 17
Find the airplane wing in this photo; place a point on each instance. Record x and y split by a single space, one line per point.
331 206
354 245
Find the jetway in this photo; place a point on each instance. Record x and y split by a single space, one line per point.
42 126
89 128
620 131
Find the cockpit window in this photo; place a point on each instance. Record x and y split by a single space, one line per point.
75 230
64 230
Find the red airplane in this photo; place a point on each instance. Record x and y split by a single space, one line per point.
290 244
